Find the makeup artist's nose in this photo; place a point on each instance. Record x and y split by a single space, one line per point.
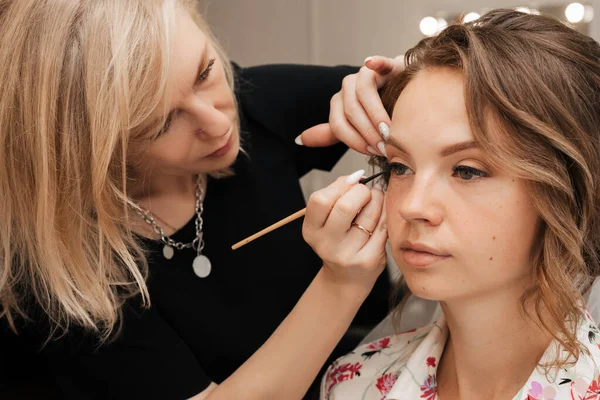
211 122
422 202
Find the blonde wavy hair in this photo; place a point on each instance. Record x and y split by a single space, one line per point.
532 92
77 78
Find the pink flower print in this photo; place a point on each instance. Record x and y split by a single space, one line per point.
541 393
548 393
536 390
429 388
579 388
431 361
341 373
385 383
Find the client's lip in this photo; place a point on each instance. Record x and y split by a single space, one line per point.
420 254
423 248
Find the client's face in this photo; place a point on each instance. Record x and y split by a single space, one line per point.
458 228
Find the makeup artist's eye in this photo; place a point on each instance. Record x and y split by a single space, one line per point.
167 124
201 78
398 169
206 73
468 173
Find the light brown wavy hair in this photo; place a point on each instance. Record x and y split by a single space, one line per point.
532 93
77 79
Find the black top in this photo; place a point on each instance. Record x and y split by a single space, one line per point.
202 330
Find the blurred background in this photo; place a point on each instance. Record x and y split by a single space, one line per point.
332 32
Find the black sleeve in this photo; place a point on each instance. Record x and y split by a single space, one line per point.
147 360
287 99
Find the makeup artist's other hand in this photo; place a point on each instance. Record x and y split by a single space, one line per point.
351 256
357 116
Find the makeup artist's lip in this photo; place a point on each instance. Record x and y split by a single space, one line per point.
421 255
223 150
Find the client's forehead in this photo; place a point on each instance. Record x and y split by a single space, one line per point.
431 108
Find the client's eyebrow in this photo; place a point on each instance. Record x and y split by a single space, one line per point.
457 147
445 152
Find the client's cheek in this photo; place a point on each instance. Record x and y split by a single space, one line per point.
394 220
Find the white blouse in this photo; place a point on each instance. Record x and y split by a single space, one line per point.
404 366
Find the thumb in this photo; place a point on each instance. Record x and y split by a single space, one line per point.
317 136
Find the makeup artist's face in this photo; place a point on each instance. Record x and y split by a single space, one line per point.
458 228
201 134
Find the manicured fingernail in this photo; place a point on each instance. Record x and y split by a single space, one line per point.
368 59
381 147
378 186
384 130
298 140
372 151
355 177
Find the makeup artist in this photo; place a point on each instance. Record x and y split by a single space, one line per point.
133 156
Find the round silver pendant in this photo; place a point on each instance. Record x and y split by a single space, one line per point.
168 252
201 266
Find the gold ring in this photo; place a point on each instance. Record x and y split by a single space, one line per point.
362 228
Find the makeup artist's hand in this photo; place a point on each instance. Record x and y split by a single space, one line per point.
357 116
351 256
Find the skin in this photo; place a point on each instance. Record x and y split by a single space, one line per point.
482 226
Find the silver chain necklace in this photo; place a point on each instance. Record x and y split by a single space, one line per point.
201 264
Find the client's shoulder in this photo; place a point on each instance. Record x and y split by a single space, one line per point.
375 366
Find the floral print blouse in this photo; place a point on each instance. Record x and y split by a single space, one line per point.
403 367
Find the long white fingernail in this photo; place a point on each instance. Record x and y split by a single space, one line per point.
355 177
372 151
381 148
368 59
384 130
298 140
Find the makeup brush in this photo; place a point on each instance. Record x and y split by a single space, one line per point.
289 219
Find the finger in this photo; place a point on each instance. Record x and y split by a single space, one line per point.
385 66
321 203
343 129
346 209
370 100
376 243
356 114
368 217
318 136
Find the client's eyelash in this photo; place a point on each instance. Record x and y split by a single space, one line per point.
388 167
461 170
383 164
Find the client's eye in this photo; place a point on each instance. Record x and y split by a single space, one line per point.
388 169
398 169
468 173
